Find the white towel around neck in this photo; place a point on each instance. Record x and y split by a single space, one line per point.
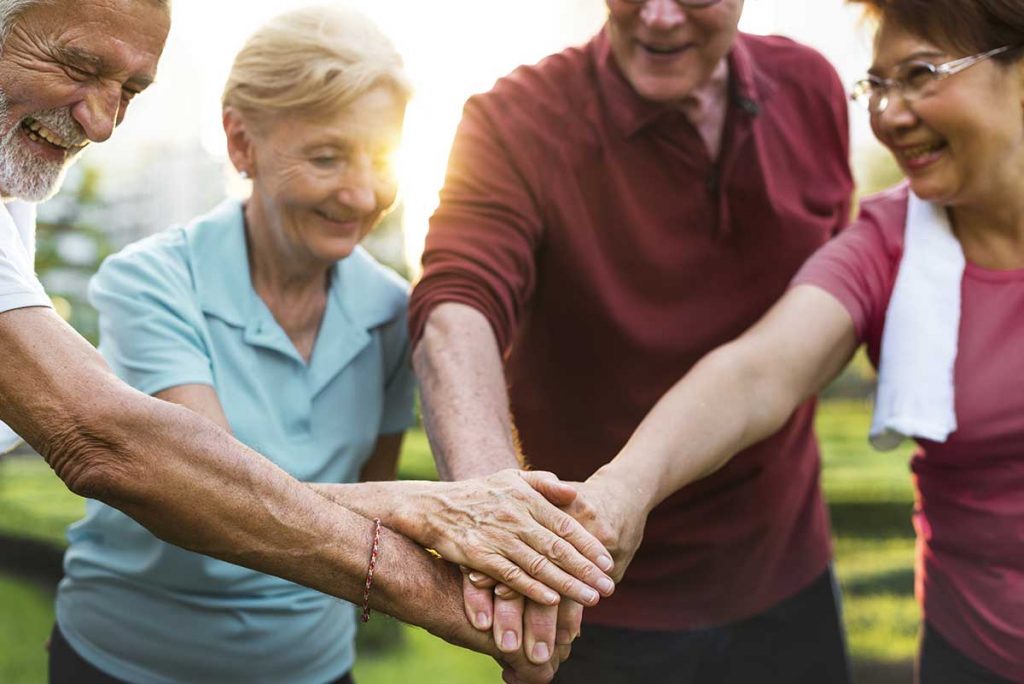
922 328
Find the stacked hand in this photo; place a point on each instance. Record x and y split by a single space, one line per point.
540 631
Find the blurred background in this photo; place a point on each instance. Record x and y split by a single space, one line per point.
167 164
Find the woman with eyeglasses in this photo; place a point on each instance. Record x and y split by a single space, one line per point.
931 279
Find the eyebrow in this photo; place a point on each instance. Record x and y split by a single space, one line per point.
98 64
914 57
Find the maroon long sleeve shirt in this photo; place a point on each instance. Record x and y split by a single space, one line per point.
610 252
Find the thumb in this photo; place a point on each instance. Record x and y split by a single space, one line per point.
550 487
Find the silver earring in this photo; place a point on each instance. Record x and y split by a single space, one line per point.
244 174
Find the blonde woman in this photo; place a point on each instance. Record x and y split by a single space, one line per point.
267 317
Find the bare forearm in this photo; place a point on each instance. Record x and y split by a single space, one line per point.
169 468
696 427
402 505
465 400
737 395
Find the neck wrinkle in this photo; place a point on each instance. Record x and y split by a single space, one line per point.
276 269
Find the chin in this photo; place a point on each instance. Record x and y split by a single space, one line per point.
336 252
932 189
660 89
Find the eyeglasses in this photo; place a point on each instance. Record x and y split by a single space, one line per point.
688 4
913 80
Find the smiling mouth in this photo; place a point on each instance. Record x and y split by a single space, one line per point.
332 219
664 50
919 153
39 133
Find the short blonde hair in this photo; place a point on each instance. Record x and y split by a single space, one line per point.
312 61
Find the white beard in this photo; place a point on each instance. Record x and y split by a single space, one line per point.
23 174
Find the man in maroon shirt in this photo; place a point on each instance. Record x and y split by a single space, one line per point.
609 216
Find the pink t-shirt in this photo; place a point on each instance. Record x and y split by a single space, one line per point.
969 512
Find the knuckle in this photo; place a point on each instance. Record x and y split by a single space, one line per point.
537 565
560 549
510 574
565 525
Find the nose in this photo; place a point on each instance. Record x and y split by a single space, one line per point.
99 112
662 15
896 115
359 189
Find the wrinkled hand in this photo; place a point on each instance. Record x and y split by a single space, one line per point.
610 513
504 527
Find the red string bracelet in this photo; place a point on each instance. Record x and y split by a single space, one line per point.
369 570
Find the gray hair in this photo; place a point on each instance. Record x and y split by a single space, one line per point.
312 60
10 9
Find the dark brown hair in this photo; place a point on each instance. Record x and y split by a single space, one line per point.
965 26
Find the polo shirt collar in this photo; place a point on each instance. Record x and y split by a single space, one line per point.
631 113
219 254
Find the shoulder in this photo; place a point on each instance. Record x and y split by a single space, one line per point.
539 95
883 216
160 260
785 57
870 249
797 73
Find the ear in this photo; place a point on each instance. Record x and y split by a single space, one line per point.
1018 67
241 149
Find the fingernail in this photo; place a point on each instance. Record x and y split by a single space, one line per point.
475 577
483 620
541 653
605 563
509 642
591 596
550 597
605 585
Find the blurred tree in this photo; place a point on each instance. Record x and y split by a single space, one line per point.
69 250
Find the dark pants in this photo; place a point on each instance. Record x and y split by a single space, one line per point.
798 641
67 667
939 662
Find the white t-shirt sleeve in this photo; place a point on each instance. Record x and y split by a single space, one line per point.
19 286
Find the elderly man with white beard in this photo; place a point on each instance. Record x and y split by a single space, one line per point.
68 72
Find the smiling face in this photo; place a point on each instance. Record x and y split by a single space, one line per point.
67 73
963 142
321 184
667 51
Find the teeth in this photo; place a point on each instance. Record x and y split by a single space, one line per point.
37 131
920 150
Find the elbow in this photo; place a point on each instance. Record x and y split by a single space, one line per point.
88 451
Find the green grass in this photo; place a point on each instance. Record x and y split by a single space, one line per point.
870 500
869 495
25 621
33 502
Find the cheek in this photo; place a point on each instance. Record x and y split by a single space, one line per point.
620 21
386 195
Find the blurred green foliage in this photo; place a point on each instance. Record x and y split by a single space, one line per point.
69 250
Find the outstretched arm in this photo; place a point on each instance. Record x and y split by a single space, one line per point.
737 395
193 485
499 524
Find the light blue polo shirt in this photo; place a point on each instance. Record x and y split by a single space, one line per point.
179 308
